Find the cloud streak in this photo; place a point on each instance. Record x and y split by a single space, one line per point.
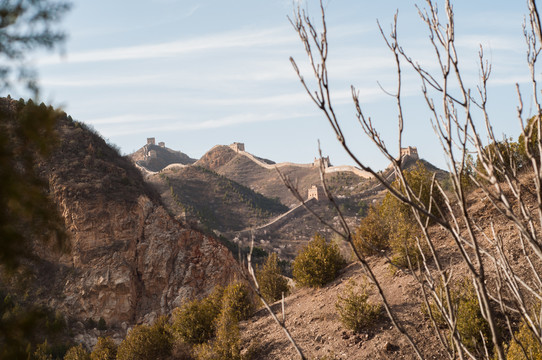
230 40
119 127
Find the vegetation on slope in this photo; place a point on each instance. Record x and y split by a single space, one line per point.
218 202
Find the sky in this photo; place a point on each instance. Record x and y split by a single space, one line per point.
197 73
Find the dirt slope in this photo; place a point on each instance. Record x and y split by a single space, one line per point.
312 318
201 195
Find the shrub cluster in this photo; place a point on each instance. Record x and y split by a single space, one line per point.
211 324
391 225
355 311
147 342
77 353
371 237
470 324
105 349
236 305
317 263
272 283
525 342
193 322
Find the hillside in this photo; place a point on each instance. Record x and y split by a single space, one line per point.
312 318
130 261
199 195
235 193
261 175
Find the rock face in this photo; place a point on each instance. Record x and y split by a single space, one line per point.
130 261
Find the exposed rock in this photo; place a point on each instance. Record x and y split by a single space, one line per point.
130 261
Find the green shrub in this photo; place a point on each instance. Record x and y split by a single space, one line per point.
404 243
77 353
212 323
105 349
272 283
371 237
227 344
317 263
527 339
145 342
470 322
237 301
194 321
513 158
355 312
532 145
419 179
403 229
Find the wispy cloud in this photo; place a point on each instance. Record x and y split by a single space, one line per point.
179 125
191 11
129 119
93 81
230 40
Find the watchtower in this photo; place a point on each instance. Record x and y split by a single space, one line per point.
324 160
162 144
409 151
238 146
151 141
313 193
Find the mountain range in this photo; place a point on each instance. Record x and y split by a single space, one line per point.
147 231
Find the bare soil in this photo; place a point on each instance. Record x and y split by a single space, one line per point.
312 318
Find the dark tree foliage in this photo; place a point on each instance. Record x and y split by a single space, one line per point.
25 26
26 210
26 136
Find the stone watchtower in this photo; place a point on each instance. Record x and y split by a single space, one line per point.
410 152
324 160
313 193
151 141
238 146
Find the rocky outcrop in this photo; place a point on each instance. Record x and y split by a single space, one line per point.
130 265
130 261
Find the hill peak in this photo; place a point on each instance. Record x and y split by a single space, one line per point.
156 157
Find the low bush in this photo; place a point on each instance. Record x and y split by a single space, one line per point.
371 236
77 353
272 283
470 323
317 263
105 349
145 342
227 343
355 311
403 241
237 301
194 321
526 339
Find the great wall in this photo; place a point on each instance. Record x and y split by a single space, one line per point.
240 149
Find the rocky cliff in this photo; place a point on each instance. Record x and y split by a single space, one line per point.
130 261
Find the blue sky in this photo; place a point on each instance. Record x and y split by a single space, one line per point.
196 73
